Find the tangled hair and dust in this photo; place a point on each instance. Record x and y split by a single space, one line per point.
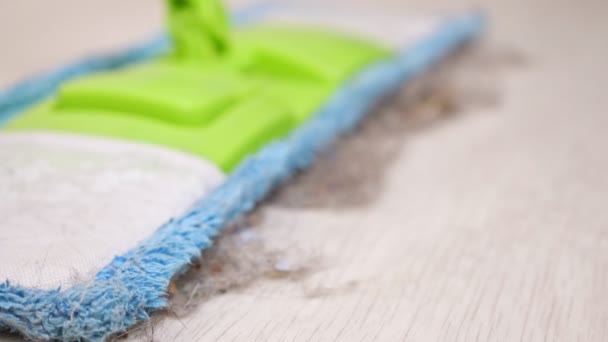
351 172
240 256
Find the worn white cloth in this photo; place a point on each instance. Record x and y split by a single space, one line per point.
70 203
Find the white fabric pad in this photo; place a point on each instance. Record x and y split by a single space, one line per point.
69 203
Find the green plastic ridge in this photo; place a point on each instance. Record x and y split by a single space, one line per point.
220 94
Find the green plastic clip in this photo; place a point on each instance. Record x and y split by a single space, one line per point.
221 94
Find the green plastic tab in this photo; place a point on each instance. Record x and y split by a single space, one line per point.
305 53
174 94
218 95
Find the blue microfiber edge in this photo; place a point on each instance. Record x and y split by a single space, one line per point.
135 284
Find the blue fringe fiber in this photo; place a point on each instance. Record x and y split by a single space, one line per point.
135 284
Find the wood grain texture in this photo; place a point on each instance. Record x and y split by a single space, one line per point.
489 227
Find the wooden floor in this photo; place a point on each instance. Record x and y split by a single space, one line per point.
491 226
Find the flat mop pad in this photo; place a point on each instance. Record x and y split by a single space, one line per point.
186 137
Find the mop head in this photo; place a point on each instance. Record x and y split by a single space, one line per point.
119 171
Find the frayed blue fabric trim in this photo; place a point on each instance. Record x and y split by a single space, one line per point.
135 284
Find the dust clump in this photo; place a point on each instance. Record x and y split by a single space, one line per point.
239 257
350 173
